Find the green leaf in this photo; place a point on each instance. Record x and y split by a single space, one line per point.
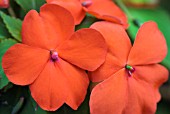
27 5
3 80
4 45
161 17
13 25
88 20
11 100
3 31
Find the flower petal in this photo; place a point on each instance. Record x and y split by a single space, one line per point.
86 49
109 96
119 46
107 10
107 69
149 47
141 98
116 38
47 88
155 75
73 6
22 64
123 95
59 83
48 29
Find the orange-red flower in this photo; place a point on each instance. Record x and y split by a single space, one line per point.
51 57
132 75
4 3
102 9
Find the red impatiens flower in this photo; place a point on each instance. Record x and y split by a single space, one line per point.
102 9
132 75
4 3
51 57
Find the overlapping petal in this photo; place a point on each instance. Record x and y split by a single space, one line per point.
59 83
116 38
48 29
119 46
109 97
22 64
149 47
108 68
107 10
101 9
74 6
86 49
125 93
121 94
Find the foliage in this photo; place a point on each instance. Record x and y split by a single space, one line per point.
16 99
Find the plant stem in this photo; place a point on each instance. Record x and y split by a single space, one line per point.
130 17
11 12
124 8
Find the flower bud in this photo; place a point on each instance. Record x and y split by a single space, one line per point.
4 3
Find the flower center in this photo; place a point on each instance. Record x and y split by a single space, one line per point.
54 55
130 69
86 3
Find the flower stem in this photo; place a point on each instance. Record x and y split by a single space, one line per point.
130 17
11 12
124 8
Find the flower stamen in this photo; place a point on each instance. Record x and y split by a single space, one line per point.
86 3
54 55
130 69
